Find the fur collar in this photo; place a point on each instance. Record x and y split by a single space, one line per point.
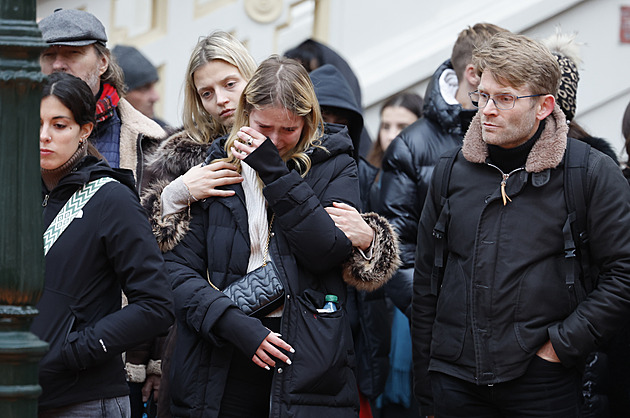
176 155
134 123
546 153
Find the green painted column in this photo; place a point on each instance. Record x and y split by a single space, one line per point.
21 254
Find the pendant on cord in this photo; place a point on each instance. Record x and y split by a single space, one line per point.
503 194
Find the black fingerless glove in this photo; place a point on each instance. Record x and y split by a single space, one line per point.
267 162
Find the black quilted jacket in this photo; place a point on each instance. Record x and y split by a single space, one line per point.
308 251
407 167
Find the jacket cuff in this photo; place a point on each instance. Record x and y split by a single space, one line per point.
136 373
154 367
243 332
370 274
267 162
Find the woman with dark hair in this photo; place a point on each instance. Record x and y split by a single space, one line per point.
398 112
296 360
97 245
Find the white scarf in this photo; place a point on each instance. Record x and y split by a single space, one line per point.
256 216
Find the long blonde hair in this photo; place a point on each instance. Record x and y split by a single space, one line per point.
219 45
281 82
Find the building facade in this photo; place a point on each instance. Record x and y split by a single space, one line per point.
391 45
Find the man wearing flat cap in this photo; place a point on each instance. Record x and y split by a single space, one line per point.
77 45
141 78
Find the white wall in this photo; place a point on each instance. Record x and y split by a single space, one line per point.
391 45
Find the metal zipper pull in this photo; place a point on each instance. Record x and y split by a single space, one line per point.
45 202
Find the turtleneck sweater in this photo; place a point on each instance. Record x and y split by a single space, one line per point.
52 177
509 159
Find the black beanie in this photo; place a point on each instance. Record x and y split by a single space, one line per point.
137 68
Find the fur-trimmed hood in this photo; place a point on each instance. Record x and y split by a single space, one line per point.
175 156
546 153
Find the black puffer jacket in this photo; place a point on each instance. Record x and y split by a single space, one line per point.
504 291
308 250
407 167
107 249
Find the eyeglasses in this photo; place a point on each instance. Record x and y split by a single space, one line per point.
501 101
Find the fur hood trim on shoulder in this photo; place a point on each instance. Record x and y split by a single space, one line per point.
546 153
369 275
134 123
176 155
168 231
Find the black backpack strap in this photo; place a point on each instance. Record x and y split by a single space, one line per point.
574 231
442 175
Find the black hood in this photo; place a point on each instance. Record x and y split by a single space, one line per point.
332 90
335 140
452 118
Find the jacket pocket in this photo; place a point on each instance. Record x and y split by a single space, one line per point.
543 299
321 363
451 316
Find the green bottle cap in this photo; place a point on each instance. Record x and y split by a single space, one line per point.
331 298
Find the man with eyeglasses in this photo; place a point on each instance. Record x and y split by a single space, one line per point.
501 333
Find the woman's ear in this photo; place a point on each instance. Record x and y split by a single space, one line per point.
86 130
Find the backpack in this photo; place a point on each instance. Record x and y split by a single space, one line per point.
576 253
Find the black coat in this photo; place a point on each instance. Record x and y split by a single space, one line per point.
504 291
308 250
407 167
107 250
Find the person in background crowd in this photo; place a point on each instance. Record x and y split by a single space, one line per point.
218 69
76 44
313 54
367 310
141 78
106 247
296 360
501 328
397 112
410 158
567 52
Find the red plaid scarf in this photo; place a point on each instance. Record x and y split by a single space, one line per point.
106 103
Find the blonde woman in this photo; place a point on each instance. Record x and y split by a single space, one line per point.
218 69
296 361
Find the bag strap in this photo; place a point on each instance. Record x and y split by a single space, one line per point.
576 251
442 176
266 253
70 211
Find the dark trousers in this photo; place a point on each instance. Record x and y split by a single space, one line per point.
546 390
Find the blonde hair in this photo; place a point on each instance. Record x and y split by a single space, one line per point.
219 45
519 61
281 82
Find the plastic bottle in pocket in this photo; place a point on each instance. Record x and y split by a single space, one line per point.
330 304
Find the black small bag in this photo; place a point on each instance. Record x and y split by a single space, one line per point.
260 291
